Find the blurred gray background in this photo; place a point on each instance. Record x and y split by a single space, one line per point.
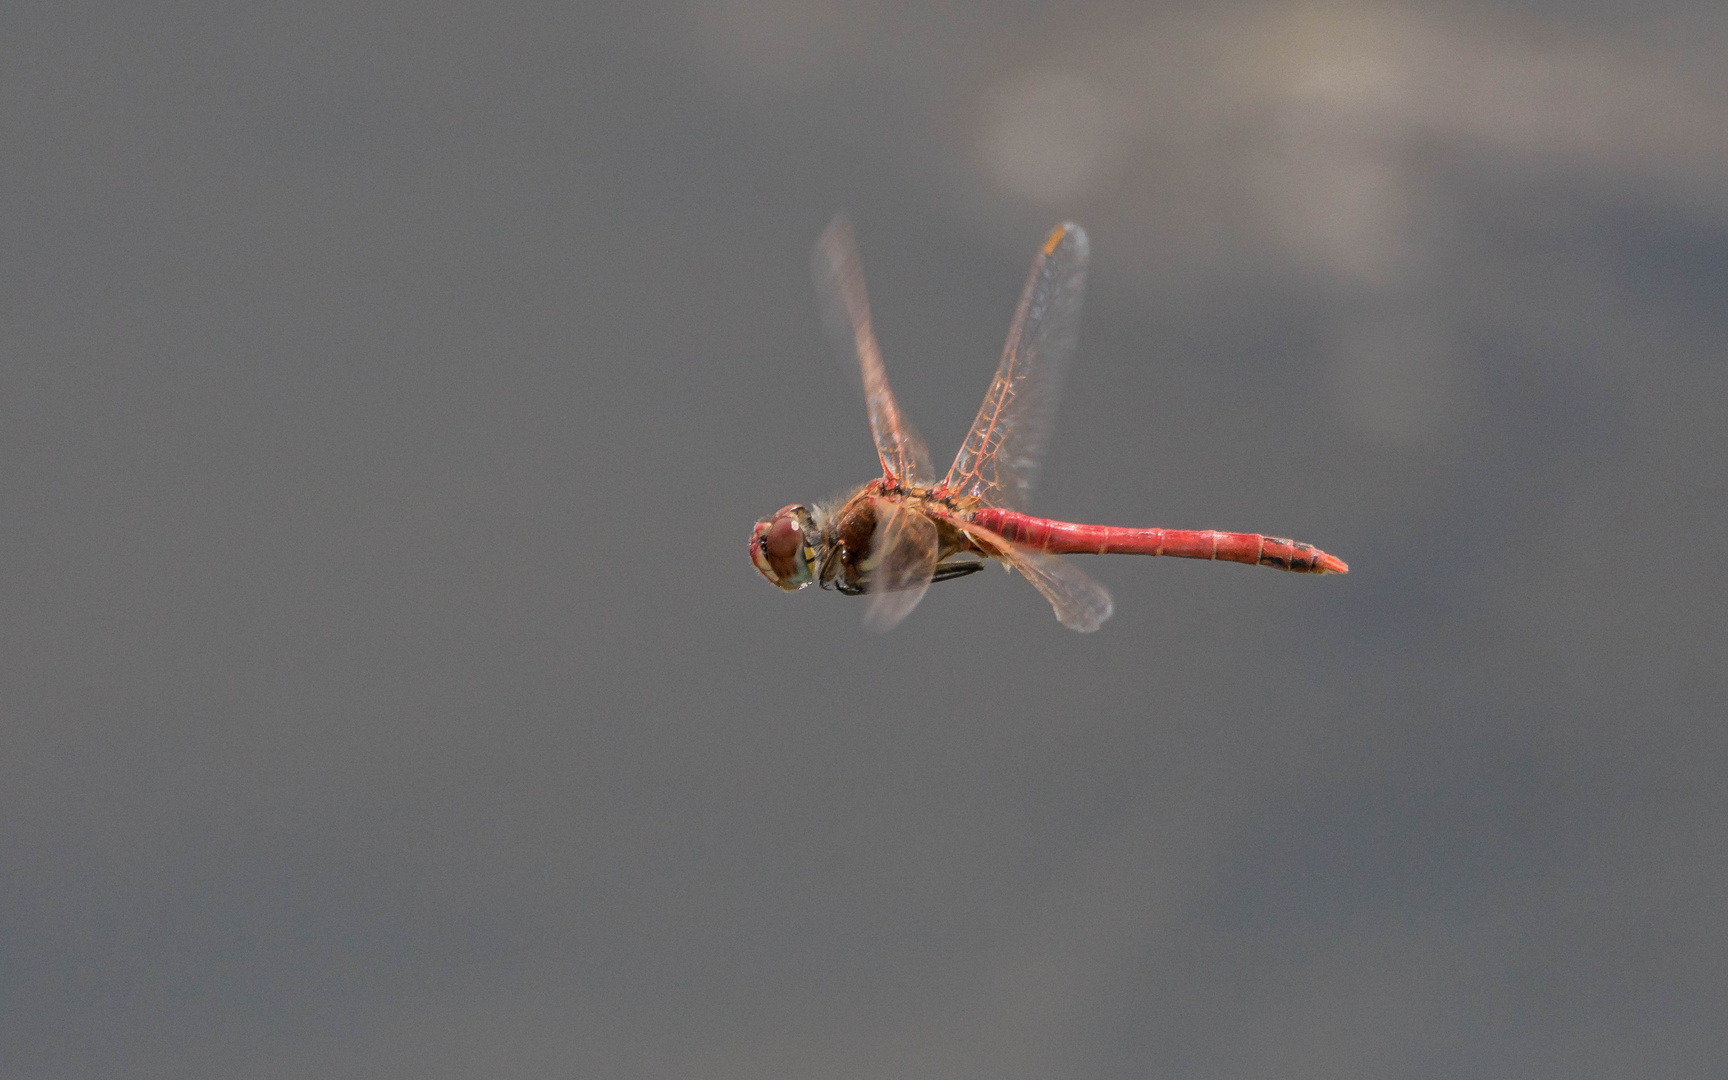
389 390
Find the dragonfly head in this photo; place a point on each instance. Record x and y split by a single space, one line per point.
783 547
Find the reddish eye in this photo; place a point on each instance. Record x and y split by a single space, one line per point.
779 549
784 542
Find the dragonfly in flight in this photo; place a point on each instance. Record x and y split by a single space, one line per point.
892 537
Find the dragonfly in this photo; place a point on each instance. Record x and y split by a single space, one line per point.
890 539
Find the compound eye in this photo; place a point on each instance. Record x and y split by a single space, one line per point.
785 542
779 548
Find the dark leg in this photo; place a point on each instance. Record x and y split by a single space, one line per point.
946 572
951 571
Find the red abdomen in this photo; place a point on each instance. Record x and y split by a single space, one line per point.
1067 538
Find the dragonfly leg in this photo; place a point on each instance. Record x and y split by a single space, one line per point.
956 570
943 573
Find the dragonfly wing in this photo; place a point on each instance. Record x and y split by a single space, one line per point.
1000 458
902 562
846 316
1080 603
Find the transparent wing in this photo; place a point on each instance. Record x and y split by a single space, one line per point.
846 315
903 556
999 460
1080 603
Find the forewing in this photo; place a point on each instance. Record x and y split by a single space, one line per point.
903 554
1000 458
846 316
1080 603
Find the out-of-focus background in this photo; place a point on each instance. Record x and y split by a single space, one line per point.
388 391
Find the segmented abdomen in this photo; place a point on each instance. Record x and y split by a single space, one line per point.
1067 538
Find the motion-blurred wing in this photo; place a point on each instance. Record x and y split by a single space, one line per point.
846 315
1080 603
903 559
1000 458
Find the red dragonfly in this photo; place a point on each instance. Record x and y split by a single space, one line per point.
894 536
